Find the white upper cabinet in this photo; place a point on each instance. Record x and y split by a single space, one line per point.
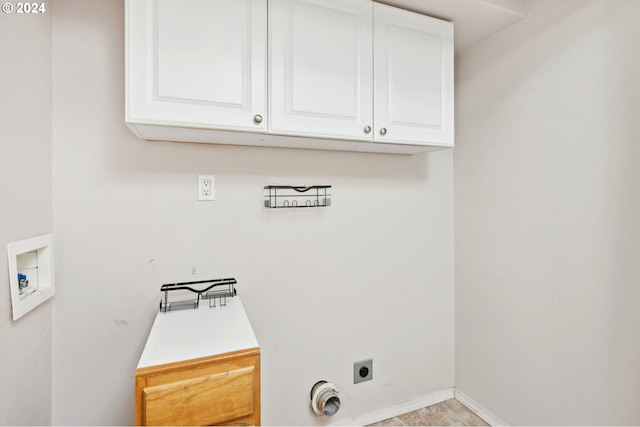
324 55
413 78
325 74
321 68
196 63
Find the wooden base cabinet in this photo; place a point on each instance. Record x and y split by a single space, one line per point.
199 367
217 390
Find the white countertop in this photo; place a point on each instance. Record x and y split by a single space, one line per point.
192 333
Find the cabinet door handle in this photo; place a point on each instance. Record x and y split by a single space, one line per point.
383 131
257 118
367 129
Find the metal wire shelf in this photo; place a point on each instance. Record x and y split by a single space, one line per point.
291 196
203 289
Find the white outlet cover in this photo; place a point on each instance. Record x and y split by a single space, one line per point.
204 182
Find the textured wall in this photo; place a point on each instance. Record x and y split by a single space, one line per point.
26 193
546 217
370 276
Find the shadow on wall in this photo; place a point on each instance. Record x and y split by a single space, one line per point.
134 155
533 53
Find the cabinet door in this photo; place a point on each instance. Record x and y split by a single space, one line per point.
320 68
413 78
197 63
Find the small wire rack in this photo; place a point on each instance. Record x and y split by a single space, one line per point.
291 196
212 290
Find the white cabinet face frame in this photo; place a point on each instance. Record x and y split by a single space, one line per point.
413 78
321 68
197 63
30 273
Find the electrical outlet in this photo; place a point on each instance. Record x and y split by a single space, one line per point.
362 371
206 187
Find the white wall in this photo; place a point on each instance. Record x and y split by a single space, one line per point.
546 217
370 276
25 174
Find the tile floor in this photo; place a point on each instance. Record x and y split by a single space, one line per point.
447 413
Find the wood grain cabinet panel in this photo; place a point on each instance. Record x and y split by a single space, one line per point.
217 390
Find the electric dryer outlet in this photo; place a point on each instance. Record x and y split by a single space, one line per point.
362 371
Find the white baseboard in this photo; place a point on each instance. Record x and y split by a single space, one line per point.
399 409
422 402
478 409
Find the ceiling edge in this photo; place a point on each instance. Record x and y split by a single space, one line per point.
517 8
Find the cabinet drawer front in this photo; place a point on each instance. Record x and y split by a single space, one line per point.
206 400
